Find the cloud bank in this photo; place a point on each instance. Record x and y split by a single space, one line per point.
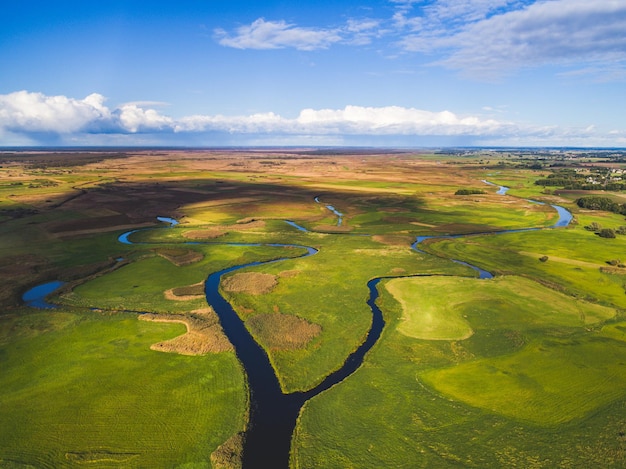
35 114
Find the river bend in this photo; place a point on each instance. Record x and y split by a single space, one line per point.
273 414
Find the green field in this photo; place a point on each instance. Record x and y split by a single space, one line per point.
522 370
522 391
86 389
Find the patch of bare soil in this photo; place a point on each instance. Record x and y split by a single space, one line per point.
180 257
250 282
394 240
417 223
229 454
283 331
204 333
210 233
189 292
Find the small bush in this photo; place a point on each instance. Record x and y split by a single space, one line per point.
607 233
469 192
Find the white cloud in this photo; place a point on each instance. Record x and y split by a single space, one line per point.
134 118
483 38
352 120
393 120
35 112
263 34
490 38
25 116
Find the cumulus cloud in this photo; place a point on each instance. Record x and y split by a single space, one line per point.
393 120
26 115
134 118
351 120
35 112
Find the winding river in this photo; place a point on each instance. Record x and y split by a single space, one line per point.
273 414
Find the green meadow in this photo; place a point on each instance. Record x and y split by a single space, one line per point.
85 389
522 370
330 289
533 386
577 259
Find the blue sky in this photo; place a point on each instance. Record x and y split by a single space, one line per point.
343 72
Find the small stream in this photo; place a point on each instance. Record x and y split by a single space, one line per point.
332 209
565 218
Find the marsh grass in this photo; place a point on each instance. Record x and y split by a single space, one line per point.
431 317
139 286
204 333
180 257
252 283
278 331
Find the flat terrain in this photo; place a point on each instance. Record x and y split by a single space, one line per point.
522 370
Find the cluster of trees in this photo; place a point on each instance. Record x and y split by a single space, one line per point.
568 179
605 232
469 192
601 203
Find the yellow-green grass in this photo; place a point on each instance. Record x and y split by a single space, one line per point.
223 212
483 212
442 308
575 259
427 313
330 289
548 383
90 391
521 183
386 416
615 331
140 286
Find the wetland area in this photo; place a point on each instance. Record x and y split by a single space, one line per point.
305 308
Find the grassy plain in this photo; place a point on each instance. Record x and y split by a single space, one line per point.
524 370
87 389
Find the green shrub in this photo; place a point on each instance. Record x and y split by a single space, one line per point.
469 191
607 233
